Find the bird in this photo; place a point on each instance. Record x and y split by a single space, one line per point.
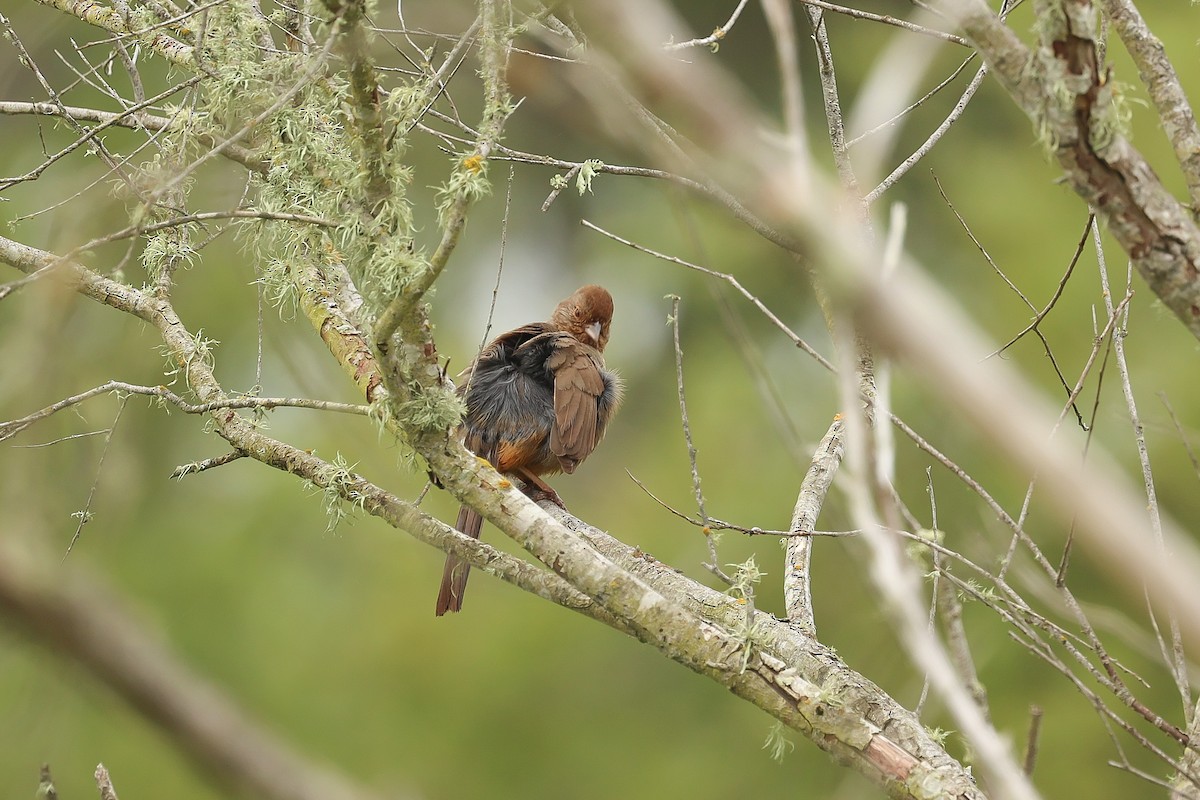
538 401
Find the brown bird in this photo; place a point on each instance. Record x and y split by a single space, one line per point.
538 400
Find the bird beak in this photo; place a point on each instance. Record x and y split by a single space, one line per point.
593 331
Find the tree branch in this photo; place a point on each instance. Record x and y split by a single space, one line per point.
765 675
1166 92
813 490
1064 89
113 21
84 622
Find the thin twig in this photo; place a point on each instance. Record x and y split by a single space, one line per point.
945 596
104 783
938 568
713 38
556 190
721 525
933 138
714 564
1031 740
1058 291
130 118
84 515
1016 290
13 427
887 20
487 329
731 280
183 470
915 104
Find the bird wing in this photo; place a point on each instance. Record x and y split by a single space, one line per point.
499 351
509 399
578 384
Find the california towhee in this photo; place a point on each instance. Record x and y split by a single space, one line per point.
538 400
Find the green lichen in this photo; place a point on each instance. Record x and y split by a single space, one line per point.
589 170
431 411
778 744
335 481
919 551
316 160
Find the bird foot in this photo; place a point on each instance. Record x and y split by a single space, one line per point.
538 490
537 494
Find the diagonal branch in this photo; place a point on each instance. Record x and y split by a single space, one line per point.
1067 93
778 670
494 44
813 489
1166 91
130 118
113 21
87 624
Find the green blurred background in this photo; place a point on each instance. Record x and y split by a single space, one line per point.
329 636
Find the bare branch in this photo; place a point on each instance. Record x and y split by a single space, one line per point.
813 490
13 427
855 13
104 783
832 103
713 38
86 623
714 564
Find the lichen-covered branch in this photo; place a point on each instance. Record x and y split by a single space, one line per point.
371 133
1067 93
111 20
900 754
1166 91
131 118
750 665
468 182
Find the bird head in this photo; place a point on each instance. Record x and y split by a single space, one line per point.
586 315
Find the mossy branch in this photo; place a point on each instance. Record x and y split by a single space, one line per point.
1068 95
369 127
1165 89
469 180
110 19
668 611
